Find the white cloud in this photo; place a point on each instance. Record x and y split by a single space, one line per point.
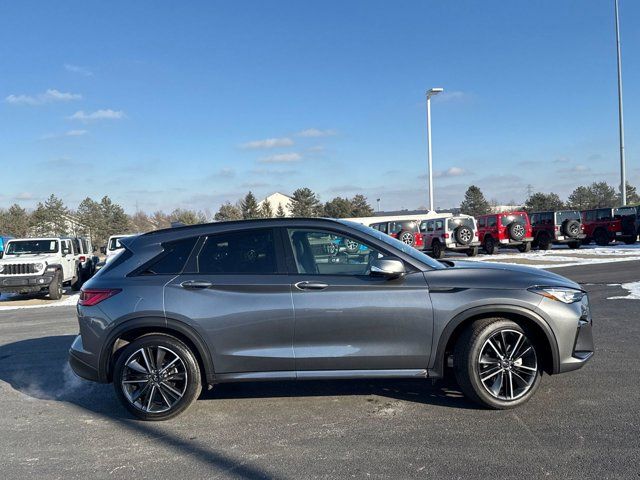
451 172
78 69
268 143
314 133
69 133
107 114
282 158
50 96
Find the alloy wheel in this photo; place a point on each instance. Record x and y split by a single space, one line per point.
507 365
154 379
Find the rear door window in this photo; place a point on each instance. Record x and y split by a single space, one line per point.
492 222
250 252
173 259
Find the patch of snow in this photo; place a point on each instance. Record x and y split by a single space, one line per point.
68 301
634 292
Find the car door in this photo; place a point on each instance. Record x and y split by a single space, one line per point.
347 319
68 260
235 293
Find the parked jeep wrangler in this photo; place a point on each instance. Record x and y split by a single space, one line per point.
32 265
455 233
87 261
406 231
604 225
506 229
557 228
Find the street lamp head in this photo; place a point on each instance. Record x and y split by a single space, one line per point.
434 91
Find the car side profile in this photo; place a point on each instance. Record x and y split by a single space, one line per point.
284 299
505 229
605 225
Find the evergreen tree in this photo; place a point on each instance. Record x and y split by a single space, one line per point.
474 202
632 196
187 217
360 207
265 210
338 208
581 198
228 212
50 217
604 194
305 203
249 207
90 217
114 218
539 202
15 221
280 213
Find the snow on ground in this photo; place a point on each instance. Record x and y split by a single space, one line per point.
634 292
561 256
7 302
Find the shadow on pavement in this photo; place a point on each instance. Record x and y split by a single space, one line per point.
38 368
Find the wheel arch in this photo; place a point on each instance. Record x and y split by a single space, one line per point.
136 327
526 318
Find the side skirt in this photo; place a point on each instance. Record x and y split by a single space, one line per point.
320 375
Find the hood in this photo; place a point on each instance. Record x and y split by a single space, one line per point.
27 258
463 274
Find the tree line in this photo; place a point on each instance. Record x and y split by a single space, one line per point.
101 219
596 195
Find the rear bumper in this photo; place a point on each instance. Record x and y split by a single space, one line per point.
459 247
507 242
24 283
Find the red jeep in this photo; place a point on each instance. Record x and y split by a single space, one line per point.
557 228
506 229
406 231
604 225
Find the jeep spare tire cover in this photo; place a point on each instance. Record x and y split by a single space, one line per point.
463 235
516 231
571 228
406 237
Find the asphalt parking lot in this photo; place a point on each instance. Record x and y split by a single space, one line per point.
585 424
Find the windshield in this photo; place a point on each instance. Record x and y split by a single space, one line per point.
455 222
567 215
32 246
508 219
397 244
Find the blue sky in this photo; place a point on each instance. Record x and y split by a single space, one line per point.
188 104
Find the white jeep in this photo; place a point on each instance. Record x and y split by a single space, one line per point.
32 265
455 233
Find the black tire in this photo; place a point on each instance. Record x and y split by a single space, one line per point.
472 252
601 237
525 247
544 241
517 231
76 284
467 366
630 241
463 235
437 250
571 228
190 383
574 245
489 245
55 287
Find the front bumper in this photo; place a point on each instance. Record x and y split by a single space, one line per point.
24 283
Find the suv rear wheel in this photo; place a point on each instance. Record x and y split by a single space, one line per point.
601 237
472 252
574 245
489 245
544 241
437 250
496 363
525 247
156 377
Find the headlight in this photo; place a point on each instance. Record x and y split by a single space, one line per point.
1 268
38 266
560 294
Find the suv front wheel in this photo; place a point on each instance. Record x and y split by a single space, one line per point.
156 377
496 363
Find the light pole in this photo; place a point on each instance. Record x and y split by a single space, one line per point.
378 200
430 93
623 168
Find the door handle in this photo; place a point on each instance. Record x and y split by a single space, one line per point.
196 284
311 285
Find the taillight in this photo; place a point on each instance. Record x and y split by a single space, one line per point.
93 296
419 238
83 259
445 235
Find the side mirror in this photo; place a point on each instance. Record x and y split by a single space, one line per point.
387 267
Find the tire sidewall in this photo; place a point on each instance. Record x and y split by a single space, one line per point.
55 287
471 363
194 382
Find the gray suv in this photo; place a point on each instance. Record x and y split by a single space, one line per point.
285 299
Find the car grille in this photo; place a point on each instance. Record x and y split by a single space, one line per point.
19 269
